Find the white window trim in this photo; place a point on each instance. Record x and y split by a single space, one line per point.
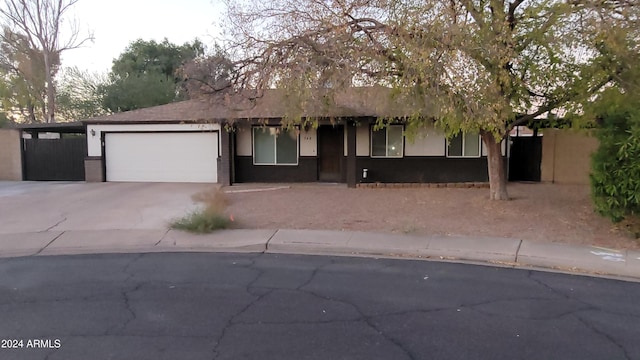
275 148
463 147
386 138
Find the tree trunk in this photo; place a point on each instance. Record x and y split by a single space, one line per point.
495 163
32 113
51 91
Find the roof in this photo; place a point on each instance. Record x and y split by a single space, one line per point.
63 127
269 104
189 110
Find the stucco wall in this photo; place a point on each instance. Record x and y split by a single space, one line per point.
426 142
10 155
94 144
308 141
566 156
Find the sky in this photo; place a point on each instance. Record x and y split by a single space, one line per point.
116 23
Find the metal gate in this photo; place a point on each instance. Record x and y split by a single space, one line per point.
526 157
55 159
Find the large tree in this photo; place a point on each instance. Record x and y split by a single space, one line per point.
481 66
22 79
145 74
208 74
40 23
78 95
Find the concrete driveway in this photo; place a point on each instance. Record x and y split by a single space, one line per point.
62 206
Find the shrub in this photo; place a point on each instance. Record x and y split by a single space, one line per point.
201 222
209 218
615 177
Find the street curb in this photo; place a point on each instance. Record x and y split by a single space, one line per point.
515 253
589 260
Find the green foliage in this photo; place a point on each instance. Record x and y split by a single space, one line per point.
473 66
209 218
137 91
615 177
145 75
464 65
22 78
4 120
201 222
78 97
165 58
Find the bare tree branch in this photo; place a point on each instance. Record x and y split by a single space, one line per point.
39 21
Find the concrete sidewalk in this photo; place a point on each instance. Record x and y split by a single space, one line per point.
498 251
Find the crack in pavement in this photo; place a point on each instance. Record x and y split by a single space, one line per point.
125 269
530 276
266 245
162 238
470 306
127 303
518 250
567 296
299 322
315 272
250 287
49 243
125 296
56 224
368 320
512 316
603 334
231 322
362 318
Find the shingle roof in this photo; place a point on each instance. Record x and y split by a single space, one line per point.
189 110
353 102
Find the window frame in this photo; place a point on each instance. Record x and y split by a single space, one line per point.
448 142
386 139
275 146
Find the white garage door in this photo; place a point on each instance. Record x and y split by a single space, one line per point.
162 157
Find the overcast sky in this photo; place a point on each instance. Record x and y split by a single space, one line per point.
115 23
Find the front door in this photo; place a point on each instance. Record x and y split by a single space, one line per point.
330 153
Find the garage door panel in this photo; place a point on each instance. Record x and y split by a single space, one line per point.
161 157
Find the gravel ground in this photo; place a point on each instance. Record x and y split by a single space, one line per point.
538 212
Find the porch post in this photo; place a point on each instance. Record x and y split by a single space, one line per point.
351 153
224 163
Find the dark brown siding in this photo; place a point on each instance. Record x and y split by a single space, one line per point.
305 171
416 169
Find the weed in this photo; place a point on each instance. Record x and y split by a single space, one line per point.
209 218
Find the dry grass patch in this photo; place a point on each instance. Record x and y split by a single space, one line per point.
211 217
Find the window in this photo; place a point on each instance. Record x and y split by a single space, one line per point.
272 145
464 145
387 142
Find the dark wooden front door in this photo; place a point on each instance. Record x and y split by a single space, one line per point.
330 153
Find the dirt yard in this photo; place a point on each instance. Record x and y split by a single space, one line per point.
539 212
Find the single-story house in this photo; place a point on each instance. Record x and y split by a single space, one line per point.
240 139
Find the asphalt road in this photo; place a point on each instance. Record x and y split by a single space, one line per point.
231 306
